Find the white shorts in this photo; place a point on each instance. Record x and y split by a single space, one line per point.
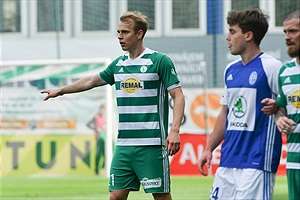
234 183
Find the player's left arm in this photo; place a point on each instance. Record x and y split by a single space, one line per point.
271 68
173 139
270 107
284 124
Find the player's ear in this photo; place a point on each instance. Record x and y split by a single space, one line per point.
249 35
140 34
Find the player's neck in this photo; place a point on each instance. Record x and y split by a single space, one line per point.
249 54
136 52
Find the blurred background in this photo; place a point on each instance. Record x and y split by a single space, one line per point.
50 43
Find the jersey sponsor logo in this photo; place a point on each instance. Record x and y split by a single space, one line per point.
294 99
238 124
253 78
240 107
132 85
151 183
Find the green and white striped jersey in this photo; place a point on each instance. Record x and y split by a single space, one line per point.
142 87
289 98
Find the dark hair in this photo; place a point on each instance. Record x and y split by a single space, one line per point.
140 22
250 20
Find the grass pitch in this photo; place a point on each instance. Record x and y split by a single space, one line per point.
95 187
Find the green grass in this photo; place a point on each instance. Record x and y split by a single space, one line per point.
95 187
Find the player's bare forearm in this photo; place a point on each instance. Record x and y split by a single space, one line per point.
178 110
217 135
284 124
173 139
83 84
215 138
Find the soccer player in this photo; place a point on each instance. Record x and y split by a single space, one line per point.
288 115
142 78
251 150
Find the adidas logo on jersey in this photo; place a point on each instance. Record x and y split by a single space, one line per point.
173 72
230 77
121 70
287 80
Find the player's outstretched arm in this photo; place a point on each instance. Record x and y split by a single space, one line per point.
83 84
215 138
51 93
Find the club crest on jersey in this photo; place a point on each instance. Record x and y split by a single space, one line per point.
294 99
131 85
143 69
240 107
252 78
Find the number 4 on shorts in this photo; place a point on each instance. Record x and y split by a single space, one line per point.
214 193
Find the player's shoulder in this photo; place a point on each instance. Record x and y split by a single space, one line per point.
152 53
233 63
120 58
288 65
270 59
270 62
155 55
291 63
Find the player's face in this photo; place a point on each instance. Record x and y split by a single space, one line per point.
236 40
291 29
128 39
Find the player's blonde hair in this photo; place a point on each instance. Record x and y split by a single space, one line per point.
140 22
